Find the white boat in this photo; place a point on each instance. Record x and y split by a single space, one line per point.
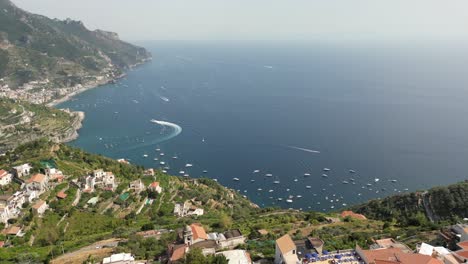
252 180
164 171
162 162
289 201
345 182
162 154
145 155
186 175
287 190
325 175
158 149
165 99
344 204
295 180
280 199
270 191
259 189
188 165
155 159
393 181
369 184
308 186
256 171
326 169
236 179
269 175
298 196
181 172
376 179
175 157
306 174
352 171
276 182
205 171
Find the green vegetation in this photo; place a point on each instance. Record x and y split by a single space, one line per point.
65 52
23 122
68 227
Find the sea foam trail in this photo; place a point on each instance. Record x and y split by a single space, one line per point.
303 149
176 130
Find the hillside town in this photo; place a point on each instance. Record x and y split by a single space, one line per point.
41 187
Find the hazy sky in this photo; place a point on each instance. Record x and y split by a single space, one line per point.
334 20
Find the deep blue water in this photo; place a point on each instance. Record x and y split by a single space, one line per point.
392 113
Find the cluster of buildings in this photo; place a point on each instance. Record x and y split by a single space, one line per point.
195 236
187 209
383 251
31 187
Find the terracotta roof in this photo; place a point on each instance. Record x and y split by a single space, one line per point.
198 231
61 195
178 252
38 204
13 230
396 255
463 245
285 244
382 254
154 184
463 253
3 173
2 243
353 215
37 178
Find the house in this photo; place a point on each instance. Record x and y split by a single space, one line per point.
315 243
5 177
208 247
352 214
22 170
236 256
13 231
462 254
99 178
286 251
194 233
61 195
149 172
233 238
177 252
54 174
121 258
137 186
5 214
38 182
186 209
394 256
155 187
40 207
13 201
390 243
440 253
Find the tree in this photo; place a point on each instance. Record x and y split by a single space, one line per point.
218 259
225 221
195 256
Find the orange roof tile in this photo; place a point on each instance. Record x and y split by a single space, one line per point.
154 184
463 253
178 252
37 178
463 245
198 231
61 195
3 173
285 244
38 204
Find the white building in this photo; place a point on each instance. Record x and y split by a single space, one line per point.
286 251
22 170
155 187
4 213
40 207
100 178
121 258
5 178
236 256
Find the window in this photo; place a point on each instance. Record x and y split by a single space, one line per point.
294 251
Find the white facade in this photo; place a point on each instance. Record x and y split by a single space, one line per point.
5 178
121 258
22 170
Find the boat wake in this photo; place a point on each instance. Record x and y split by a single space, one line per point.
176 128
303 149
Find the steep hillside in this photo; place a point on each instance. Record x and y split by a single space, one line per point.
21 122
437 204
37 52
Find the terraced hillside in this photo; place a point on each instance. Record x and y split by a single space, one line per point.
21 122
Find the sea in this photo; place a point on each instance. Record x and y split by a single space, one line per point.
309 126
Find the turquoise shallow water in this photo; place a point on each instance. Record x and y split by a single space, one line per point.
388 113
